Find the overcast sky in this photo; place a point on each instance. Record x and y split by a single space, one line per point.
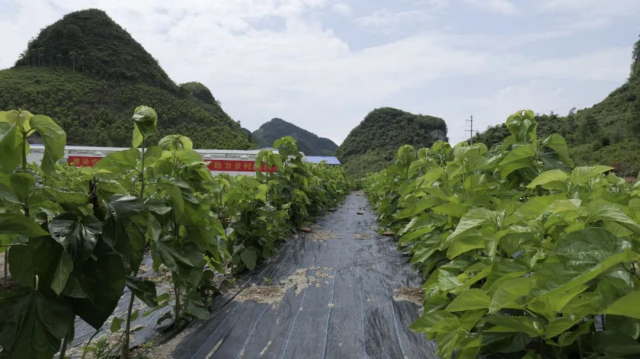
324 64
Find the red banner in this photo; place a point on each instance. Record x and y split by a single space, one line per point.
212 165
235 166
83 161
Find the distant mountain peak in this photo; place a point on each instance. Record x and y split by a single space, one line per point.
635 61
308 142
372 144
199 91
89 75
89 41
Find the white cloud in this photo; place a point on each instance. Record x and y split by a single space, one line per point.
541 95
387 21
504 7
20 27
536 94
436 4
342 9
589 14
609 64
541 84
494 108
592 8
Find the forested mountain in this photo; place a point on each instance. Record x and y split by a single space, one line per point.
607 133
308 143
372 144
89 74
89 41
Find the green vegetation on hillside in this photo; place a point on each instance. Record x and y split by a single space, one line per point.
372 145
86 71
200 92
89 41
96 112
309 143
607 133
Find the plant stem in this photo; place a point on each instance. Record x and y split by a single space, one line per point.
84 350
142 171
6 268
24 153
633 270
24 168
176 309
127 331
176 290
66 339
110 349
580 349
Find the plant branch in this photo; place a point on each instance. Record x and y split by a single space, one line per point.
84 349
580 348
65 341
127 332
24 153
176 290
142 170
6 268
176 309
632 270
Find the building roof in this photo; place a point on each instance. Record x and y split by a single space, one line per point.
317 159
103 151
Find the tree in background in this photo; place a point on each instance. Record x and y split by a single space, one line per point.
40 55
74 56
588 127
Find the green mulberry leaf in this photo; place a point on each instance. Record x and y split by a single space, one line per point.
32 326
145 290
628 306
470 300
547 177
78 235
54 139
145 120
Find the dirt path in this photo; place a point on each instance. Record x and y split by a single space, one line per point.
328 294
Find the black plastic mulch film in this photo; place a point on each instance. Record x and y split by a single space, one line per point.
348 311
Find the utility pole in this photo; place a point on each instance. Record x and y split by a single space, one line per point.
470 131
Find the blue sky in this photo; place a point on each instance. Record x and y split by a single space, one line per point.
324 64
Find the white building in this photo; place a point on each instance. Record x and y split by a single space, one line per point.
233 162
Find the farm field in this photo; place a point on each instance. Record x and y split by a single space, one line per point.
301 179
453 252
150 219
